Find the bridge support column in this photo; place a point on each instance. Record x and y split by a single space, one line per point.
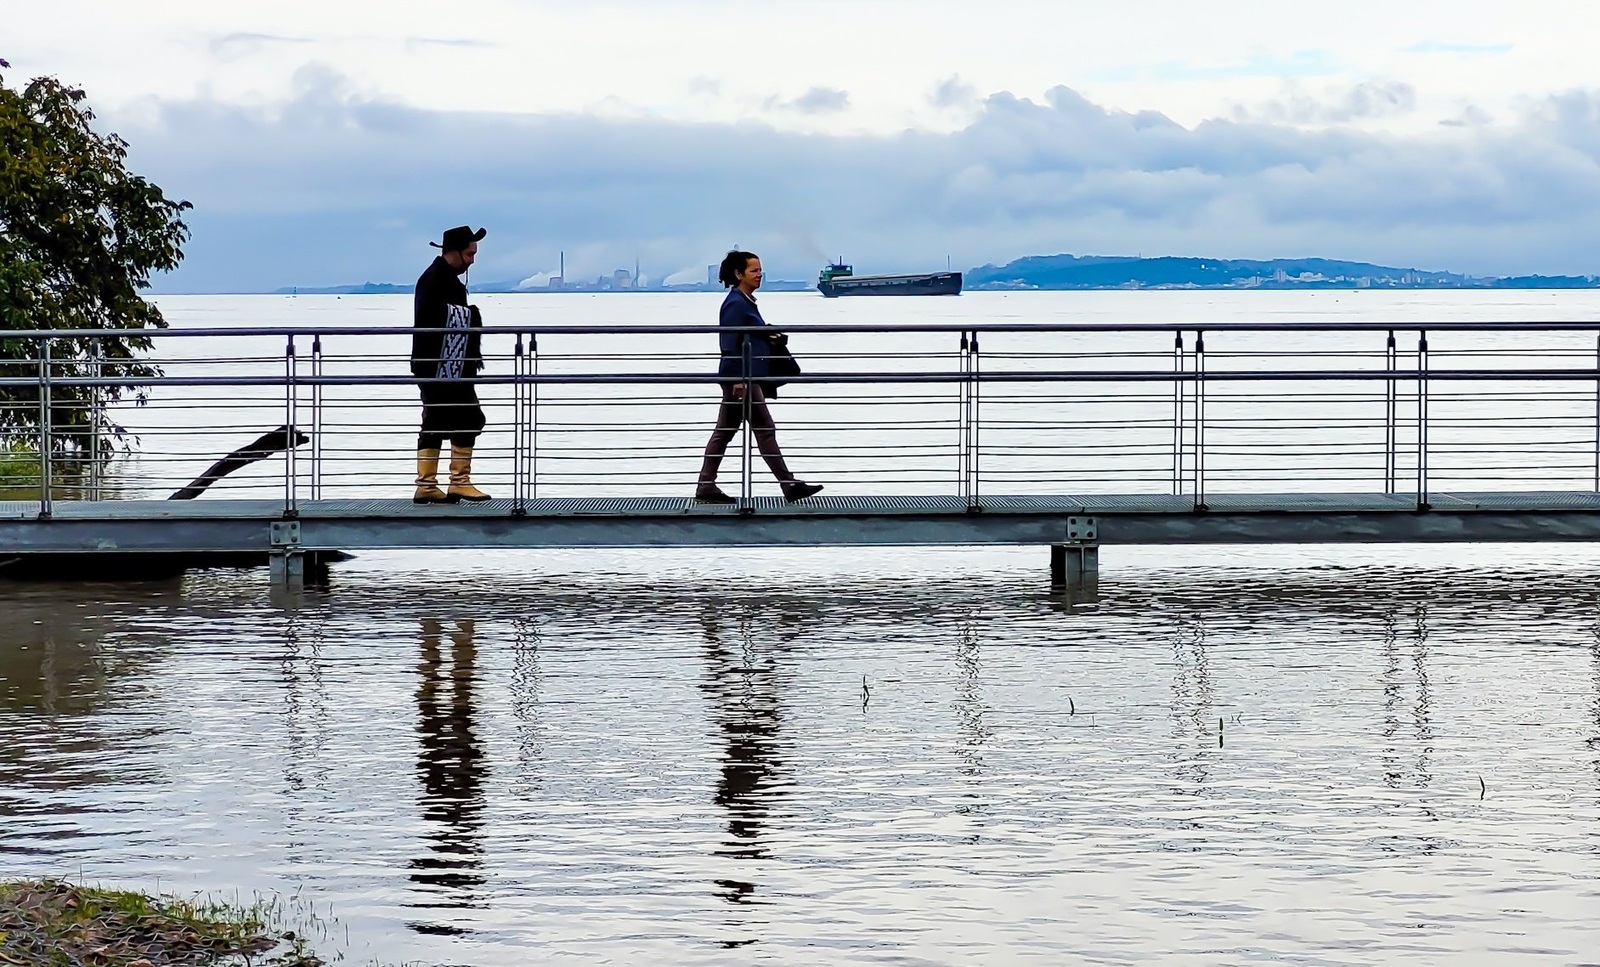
1075 564
286 559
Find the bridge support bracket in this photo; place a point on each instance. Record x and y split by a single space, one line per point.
286 558
1075 563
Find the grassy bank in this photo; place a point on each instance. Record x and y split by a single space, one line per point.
56 924
19 477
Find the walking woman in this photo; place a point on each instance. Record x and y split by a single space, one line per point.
743 398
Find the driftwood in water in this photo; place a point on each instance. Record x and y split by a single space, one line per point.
269 443
137 566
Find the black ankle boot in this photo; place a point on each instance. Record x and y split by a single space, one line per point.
799 490
707 492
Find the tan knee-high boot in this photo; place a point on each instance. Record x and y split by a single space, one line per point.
461 487
428 491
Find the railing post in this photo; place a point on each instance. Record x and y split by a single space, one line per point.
46 436
975 399
316 418
1199 377
291 416
519 417
96 417
1391 416
533 418
1422 420
746 360
962 417
1177 412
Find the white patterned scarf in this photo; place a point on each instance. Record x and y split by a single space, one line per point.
453 354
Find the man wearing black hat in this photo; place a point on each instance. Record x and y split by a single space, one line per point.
445 356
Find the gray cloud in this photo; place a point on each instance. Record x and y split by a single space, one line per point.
818 100
333 186
1380 99
1471 116
422 43
1461 50
705 86
1369 100
235 45
953 92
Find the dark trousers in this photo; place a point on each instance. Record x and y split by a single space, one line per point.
450 410
730 416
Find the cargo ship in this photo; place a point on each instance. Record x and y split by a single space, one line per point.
840 279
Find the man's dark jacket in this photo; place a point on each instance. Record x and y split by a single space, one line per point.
446 340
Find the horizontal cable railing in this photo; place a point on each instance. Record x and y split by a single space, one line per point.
969 410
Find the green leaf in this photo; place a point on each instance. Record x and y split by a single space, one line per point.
80 238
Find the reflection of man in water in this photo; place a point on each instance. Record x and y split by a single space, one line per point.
746 710
450 763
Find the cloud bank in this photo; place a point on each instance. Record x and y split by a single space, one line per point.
337 186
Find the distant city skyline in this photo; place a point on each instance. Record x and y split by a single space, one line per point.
323 143
1057 272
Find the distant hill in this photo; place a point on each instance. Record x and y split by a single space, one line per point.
1121 272
386 288
480 288
1548 282
1169 272
365 288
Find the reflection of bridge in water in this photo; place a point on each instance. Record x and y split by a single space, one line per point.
1066 436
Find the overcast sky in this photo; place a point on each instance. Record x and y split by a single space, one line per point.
327 142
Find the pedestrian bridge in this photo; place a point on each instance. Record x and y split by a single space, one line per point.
1071 437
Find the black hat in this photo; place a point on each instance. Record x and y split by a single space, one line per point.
458 238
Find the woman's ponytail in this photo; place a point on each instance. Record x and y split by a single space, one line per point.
732 264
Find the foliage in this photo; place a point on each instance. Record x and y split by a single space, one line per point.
80 237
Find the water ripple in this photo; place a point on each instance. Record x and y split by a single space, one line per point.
719 763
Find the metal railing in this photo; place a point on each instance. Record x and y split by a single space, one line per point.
957 410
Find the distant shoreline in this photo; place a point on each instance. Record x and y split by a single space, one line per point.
406 290
1072 273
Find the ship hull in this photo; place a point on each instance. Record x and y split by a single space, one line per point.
936 283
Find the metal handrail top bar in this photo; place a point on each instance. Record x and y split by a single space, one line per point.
953 328
1096 376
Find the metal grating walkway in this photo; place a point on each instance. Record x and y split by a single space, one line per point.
258 526
1101 504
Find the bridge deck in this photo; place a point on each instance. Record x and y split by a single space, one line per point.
391 508
164 526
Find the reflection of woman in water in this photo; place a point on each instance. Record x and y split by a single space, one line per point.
450 762
745 366
746 711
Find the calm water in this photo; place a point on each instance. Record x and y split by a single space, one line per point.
671 759
1273 755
